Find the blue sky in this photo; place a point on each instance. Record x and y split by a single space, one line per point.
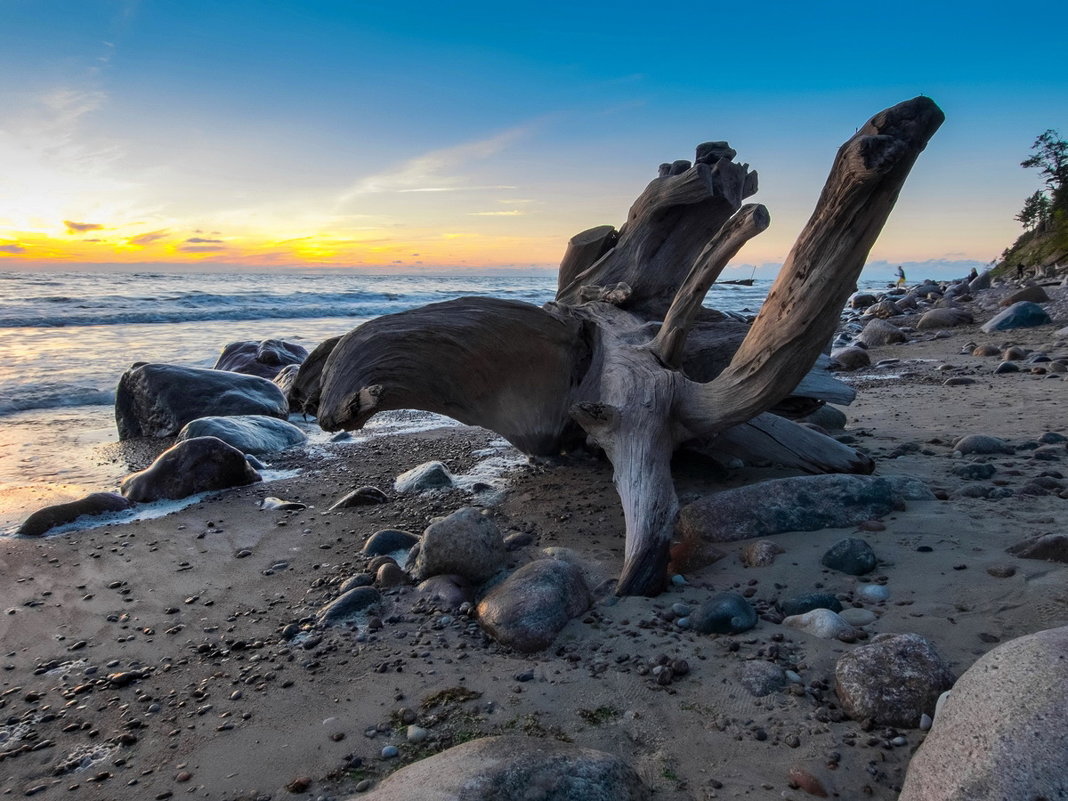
478 134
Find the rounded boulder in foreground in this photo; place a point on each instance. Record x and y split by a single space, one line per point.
197 465
1001 733
466 543
893 680
724 613
512 768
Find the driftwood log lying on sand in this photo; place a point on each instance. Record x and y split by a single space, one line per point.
627 355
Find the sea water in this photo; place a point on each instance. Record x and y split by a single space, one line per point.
66 338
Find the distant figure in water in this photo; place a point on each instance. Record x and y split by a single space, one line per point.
900 275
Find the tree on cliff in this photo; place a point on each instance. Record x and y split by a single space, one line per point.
1051 160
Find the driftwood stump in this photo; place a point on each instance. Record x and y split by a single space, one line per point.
627 355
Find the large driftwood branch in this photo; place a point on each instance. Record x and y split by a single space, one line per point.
670 342
595 355
801 311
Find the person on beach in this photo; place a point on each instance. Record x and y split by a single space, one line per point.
900 275
973 274
1019 271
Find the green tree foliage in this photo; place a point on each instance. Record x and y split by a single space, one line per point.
1035 214
1050 158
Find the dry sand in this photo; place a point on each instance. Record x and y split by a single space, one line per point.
220 706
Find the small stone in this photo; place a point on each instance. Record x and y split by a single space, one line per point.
856 616
822 623
299 784
851 555
390 752
416 734
873 593
1001 571
808 602
760 553
724 613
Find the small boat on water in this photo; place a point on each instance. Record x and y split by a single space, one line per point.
740 282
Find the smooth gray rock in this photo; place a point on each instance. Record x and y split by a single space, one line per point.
513 768
829 418
806 603
981 444
529 608
879 332
980 282
822 623
943 318
974 471
427 476
723 613
1001 732
264 359
357 601
249 433
801 503
1047 547
59 514
196 465
389 540
850 358
893 680
157 400
850 555
1019 315
1032 294
361 496
466 543
447 592
761 678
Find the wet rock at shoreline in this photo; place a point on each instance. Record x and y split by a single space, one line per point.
250 433
60 514
157 400
850 358
466 543
893 680
361 496
529 608
943 318
879 332
513 767
389 540
1000 733
354 602
197 465
427 476
264 359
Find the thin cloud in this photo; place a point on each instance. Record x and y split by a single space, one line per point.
12 249
457 188
201 248
434 171
147 239
77 227
199 240
509 213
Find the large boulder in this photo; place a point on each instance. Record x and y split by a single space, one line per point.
1019 315
850 358
62 513
981 281
879 332
466 543
195 465
529 608
264 359
250 433
1033 294
884 309
303 391
800 503
893 681
944 318
510 768
157 400
1001 732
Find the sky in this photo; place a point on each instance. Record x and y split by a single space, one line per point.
474 135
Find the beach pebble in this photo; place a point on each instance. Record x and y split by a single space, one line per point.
357 580
427 476
1001 571
986 350
925 722
1000 734
416 734
515 767
723 613
981 444
958 381
822 623
389 752
850 358
892 680
761 678
943 318
760 553
361 496
273 504
974 471
851 555
466 543
1006 367
857 616
800 604
873 593
529 608
390 575
388 541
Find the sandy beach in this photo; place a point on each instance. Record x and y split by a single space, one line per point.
152 660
